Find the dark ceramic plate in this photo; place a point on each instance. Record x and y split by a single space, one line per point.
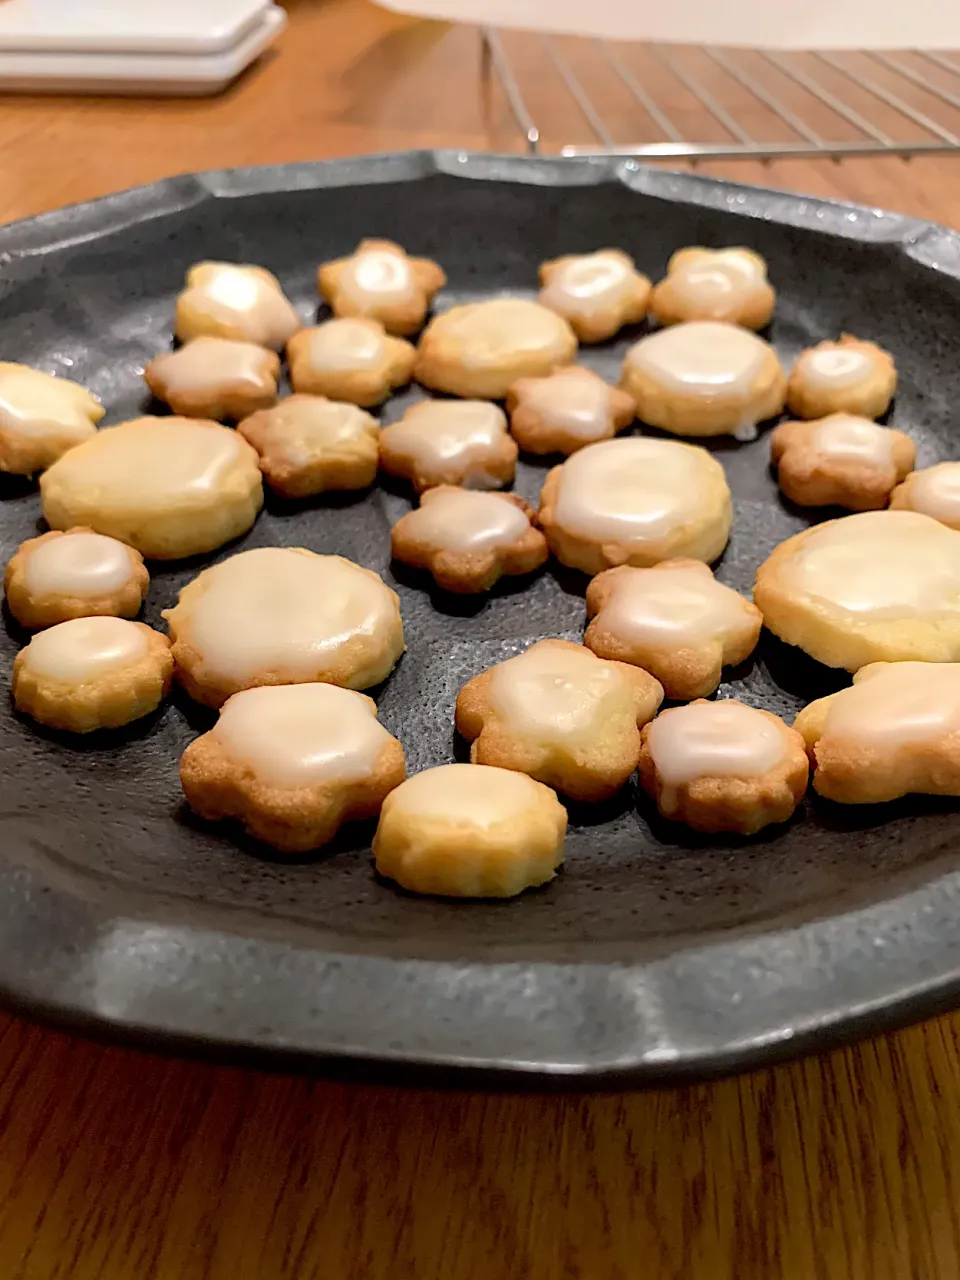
655 954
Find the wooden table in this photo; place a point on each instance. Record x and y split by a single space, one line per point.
115 1165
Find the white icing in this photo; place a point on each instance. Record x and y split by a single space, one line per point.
715 280
576 402
204 362
442 432
589 282
503 328
465 520
465 796
834 367
377 276
935 491
85 648
87 565
346 344
231 294
704 357
845 438
304 427
36 404
554 693
714 739
897 704
673 608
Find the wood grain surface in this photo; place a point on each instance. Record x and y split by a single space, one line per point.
116 1165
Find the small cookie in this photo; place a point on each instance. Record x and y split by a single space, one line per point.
92 673
848 376
566 410
704 379
469 540
933 491
882 586
381 282
170 487
894 732
723 766
293 763
239 302
353 360
76 574
715 284
674 620
596 293
479 349
458 442
562 715
283 615
841 461
636 501
470 831
215 378
308 444
41 417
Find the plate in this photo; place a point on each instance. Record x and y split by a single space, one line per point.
656 954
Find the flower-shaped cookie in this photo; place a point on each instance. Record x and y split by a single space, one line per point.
562 715
715 284
458 442
566 410
674 620
240 302
933 491
381 282
92 673
470 831
215 378
840 460
41 417
77 574
597 293
293 763
469 540
848 376
723 766
351 359
308 444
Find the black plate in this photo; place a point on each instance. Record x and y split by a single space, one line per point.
655 954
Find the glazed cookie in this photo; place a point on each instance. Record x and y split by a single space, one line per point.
308 444
841 461
77 574
723 766
674 620
469 540
883 586
479 349
283 615
170 487
92 673
894 732
379 281
215 378
458 442
562 715
848 376
470 831
566 410
293 763
242 303
715 284
41 417
352 359
596 293
636 501
704 379
933 491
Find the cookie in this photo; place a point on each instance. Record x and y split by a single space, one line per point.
848 376
470 831
562 715
353 360
883 586
170 487
469 540
674 620
704 379
92 673
480 349
894 732
458 442
76 574
729 285
283 615
308 444
636 501
215 378
293 764
596 293
566 410
381 282
239 302
41 417
723 766
841 461
933 491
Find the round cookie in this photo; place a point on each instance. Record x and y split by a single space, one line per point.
381 282
470 831
566 410
349 359
76 574
236 301
455 442
729 285
840 460
308 445
848 376
596 293
636 501
933 491
41 417
171 487
215 378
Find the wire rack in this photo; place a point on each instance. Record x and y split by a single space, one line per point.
699 103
